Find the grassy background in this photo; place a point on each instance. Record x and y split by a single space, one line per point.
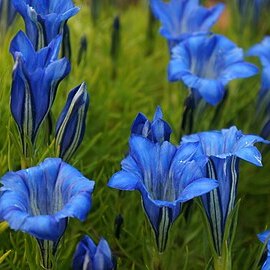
140 85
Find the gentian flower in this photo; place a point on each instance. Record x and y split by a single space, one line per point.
166 176
7 14
70 126
263 237
206 64
224 149
88 256
157 131
183 18
36 76
44 20
39 200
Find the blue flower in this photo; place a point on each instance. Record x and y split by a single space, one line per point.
183 18
166 176
44 20
39 200
88 256
224 149
36 76
70 126
206 64
157 131
263 237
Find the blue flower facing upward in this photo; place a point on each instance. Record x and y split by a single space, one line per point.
157 131
206 64
36 76
263 237
183 18
88 256
224 149
166 176
39 200
44 20
70 126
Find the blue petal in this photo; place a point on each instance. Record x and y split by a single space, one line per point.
20 43
250 154
197 188
261 50
103 257
124 181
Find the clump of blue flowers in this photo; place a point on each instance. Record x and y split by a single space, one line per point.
36 76
166 176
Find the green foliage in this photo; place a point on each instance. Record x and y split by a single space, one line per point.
141 84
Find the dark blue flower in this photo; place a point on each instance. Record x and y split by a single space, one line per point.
7 13
224 149
206 64
36 76
166 177
88 256
183 18
263 237
39 200
44 20
70 126
157 131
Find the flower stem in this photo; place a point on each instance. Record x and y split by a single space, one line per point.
222 263
47 249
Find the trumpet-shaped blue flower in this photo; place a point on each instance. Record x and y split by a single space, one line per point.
44 20
88 256
166 177
70 126
224 149
39 200
36 76
263 237
157 131
183 18
206 64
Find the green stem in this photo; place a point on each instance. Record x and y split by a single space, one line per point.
223 262
47 250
